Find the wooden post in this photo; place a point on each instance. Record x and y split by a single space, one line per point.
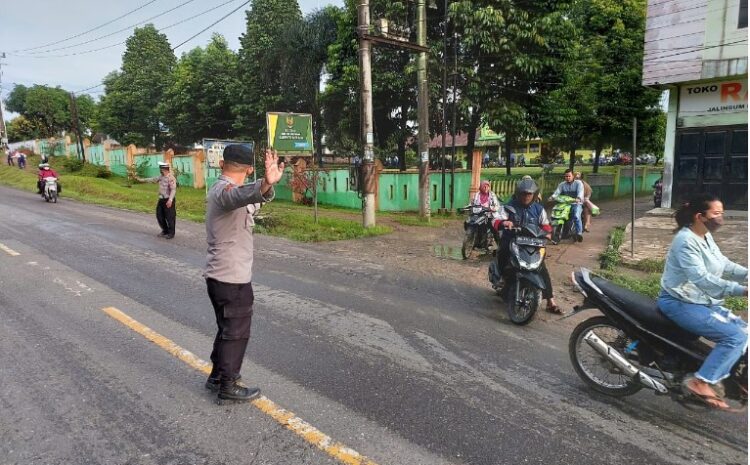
198 159
476 172
616 190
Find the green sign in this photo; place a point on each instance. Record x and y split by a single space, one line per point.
290 133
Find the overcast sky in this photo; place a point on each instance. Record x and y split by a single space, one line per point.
25 25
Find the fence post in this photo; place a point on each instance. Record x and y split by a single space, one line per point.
616 186
644 181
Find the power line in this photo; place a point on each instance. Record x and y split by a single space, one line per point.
115 32
693 51
209 26
84 52
696 48
90 30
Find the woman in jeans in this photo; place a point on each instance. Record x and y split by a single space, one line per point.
693 288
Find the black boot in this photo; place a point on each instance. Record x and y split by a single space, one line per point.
236 391
213 383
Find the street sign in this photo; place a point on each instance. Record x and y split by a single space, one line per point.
290 134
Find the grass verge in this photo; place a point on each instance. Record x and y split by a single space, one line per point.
290 220
610 258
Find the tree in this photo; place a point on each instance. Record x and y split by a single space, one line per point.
601 89
129 107
261 88
198 102
20 128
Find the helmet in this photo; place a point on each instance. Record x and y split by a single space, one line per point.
44 166
526 186
163 165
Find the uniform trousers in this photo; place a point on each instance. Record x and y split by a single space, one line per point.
233 307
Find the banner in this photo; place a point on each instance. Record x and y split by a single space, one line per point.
214 150
290 134
714 98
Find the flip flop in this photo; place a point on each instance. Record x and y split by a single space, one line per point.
707 399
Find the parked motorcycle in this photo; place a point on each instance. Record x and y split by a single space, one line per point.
633 345
49 190
519 282
477 229
561 218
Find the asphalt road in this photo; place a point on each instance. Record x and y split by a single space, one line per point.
401 369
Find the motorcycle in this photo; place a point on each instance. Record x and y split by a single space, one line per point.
519 282
49 190
633 345
477 229
658 185
561 218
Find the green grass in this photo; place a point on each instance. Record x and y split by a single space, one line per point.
610 258
290 220
650 285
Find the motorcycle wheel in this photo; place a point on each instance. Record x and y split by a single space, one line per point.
54 198
596 371
468 243
521 312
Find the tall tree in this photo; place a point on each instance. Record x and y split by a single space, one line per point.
47 109
261 88
129 107
198 102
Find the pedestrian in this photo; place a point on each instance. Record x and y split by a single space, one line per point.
21 160
229 233
587 205
166 210
10 158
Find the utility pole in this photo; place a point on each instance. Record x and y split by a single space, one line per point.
453 145
445 103
368 136
423 112
77 127
3 132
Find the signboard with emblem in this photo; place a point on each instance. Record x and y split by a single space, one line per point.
290 134
214 150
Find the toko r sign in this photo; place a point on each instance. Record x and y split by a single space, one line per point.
714 98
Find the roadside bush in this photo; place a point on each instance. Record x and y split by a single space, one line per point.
72 165
610 258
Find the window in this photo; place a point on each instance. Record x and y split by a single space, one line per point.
742 23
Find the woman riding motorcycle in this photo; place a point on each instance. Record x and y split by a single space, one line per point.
486 198
46 172
692 292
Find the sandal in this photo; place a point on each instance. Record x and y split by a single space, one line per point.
555 309
711 401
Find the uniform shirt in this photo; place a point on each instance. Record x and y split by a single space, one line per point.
167 186
695 269
229 229
571 189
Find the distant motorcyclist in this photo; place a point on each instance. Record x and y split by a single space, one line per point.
46 172
572 188
486 198
526 212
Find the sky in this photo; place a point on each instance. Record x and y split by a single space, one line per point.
32 30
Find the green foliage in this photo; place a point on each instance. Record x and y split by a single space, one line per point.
610 258
198 102
261 89
46 109
72 165
20 128
129 109
649 265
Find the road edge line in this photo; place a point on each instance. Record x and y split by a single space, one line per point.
282 416
8 250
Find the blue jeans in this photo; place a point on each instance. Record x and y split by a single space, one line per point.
716 324
575 212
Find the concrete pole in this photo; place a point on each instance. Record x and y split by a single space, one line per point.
423 112
368 137
632 205
445 102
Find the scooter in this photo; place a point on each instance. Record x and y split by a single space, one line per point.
520 283
49 190
477 229
561 218
634 346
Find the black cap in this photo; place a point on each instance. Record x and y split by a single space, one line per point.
238 153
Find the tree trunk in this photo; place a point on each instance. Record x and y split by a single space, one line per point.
573 156
402 140
508 149
598 149
471 137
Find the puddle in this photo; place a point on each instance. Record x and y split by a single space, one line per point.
447 251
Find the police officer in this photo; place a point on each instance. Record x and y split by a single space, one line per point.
229 233
166 211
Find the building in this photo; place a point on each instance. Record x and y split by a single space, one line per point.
697 49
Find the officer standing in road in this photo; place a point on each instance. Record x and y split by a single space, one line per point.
229 233
166 211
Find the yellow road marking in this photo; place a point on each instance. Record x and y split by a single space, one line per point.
284 417
9 251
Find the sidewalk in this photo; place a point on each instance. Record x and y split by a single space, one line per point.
653 235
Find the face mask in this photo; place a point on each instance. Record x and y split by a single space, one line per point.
713 224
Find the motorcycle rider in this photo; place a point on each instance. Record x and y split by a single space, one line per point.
46 172
693 289
486 198
526 212
572 187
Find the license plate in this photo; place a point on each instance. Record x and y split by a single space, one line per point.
533 241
